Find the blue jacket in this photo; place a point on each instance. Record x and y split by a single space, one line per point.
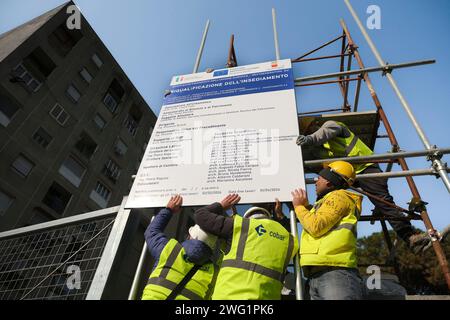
196 251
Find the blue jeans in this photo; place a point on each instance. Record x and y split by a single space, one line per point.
337 284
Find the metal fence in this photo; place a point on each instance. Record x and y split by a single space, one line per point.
75 258
39 265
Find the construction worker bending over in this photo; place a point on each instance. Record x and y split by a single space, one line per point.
182 271
328 240
258 251
335 139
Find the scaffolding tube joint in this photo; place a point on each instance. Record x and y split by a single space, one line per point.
352 47
417 205
386 69
434 235
435 155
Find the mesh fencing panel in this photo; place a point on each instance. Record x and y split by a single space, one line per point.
53 264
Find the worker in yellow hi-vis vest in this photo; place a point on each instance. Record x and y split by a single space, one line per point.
328 240
256 257
182 271
334 139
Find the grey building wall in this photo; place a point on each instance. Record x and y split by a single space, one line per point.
33 112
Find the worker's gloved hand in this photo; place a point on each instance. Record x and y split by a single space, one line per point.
304 140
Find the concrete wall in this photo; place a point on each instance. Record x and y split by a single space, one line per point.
16 138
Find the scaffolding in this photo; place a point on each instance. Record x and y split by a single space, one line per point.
344 78
348 53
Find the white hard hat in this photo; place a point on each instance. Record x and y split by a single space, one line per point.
262 213
198 234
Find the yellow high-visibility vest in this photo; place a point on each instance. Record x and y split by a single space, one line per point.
171 269
351 146
255 266
338 246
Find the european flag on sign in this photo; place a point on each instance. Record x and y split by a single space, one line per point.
219 73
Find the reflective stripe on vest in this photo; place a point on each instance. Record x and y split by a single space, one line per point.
254 267
348 226
348 147
352 144
204 277
172 285
172 257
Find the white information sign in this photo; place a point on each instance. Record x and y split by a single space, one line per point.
228 131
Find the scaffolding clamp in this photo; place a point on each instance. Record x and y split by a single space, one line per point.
436 155
434 235
387 69
352 47
417 205
435 158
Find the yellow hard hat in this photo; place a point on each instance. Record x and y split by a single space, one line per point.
344 169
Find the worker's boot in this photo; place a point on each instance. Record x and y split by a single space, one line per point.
418 242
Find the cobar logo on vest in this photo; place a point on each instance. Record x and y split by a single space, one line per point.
260 230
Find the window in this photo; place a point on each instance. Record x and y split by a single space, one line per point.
131 125
102 190
60 115
120 147
99 121
57 198
62 40
42 137
7 110
39 63
24 76
113 96
110 102
98 62
5 202
132 120
111 170
101 194
86 75
73 171
22 165
86 146
73 93
33 70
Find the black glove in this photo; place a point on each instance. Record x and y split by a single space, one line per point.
304 140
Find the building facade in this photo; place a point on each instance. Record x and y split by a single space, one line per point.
73 128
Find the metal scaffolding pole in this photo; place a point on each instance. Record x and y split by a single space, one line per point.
386 68
398 174
381 156
440 254
200 50
133 295
275 34
298 273
437 163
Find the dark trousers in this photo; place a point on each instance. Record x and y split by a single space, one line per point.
379 188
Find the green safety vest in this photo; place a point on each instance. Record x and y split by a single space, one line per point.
348 147
254 268
338 246
171 269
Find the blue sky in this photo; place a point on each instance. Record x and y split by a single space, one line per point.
154 40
